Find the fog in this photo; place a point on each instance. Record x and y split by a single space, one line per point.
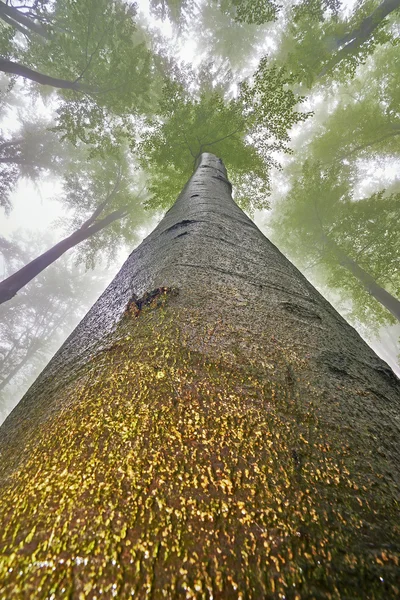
311 143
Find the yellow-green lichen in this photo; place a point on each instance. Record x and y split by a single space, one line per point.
173 473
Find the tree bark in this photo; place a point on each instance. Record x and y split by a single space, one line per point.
212 429
8 66
10 286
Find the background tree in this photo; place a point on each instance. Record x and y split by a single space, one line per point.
353 243
104 189
321 40
34 324
31 152
364 122
93 51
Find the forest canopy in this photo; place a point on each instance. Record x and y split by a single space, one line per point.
108 104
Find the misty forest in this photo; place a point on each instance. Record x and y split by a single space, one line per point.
224 422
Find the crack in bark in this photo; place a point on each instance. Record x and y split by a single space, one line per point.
296 310
179 225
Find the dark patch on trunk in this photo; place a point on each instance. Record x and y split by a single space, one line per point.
387 373
153 299
181 235
180 224
195 196
336 363
290 377
297 310
297 459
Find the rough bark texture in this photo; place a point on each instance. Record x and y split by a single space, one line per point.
212 429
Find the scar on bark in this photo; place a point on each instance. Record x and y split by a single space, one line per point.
153 299
179 225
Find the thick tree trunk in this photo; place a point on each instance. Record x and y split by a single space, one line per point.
10 286
8 66
212 429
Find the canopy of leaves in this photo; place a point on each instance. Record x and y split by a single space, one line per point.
31 152
95 44
319 222
243 131
252 11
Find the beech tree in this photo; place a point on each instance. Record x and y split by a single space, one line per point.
365 123
212 428
320 42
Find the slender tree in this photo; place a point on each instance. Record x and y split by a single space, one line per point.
22 22
212 429
108 197
36 322
320 40
15 282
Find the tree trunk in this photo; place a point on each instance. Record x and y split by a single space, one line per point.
10 286
8 66
350 42
370 285
360 35
21 21
212 429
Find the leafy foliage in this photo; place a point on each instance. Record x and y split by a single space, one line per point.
177 11
253 11
320 222
320 41
33 151
94 43
243 131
